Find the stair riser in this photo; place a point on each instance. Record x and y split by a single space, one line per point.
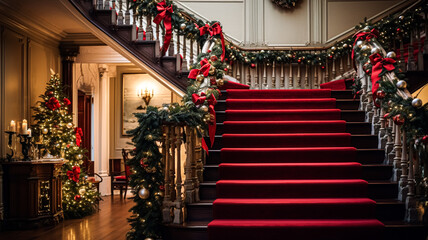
148 47
363 142
353 128
340 94
343 105
383 211
354 116
368 173
375 156
375 191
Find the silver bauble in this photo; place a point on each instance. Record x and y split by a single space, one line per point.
182 26
401 84
365 47
143 193
375 50
417 103
391 55
359 44
333 48
366 28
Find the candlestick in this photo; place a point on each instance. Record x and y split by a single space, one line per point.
24 127
12 126
29 132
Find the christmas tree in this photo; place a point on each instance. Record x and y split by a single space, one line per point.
55 131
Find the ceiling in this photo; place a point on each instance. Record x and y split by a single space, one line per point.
50 16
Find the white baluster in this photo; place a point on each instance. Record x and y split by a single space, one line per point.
120 13
249 76
273 75
299 77
191 52
100 4
149 28
282 76
127 14
265 83
306 76
290 77
316 77
113 13
256 78
134 31
141 30
238 72
184 64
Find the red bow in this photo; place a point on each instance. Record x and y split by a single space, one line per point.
74 175
379 63
164 13
53 103
374 33
205 69
212 125
66 101
79 134
213 30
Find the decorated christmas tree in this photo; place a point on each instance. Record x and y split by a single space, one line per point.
55 131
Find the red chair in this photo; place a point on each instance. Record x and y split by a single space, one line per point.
118 180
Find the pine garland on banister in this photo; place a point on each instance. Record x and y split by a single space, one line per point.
285 3
186 24
57 136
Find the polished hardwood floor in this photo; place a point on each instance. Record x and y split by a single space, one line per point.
108 223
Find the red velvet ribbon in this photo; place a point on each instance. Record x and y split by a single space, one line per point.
205 69
74 174
79 134
164 13
379 63
374 33
212 101
213 30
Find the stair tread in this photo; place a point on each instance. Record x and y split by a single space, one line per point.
300 201
378 201
309 223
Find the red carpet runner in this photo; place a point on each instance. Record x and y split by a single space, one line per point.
288 171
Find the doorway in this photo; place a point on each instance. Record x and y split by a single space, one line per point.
84 121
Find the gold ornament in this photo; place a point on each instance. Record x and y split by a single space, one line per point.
391 55
79 156
149 204
345 45
333 48
161 194
204 108
220 82
417 103
143 193
401 84
45 131
69 125
149 137
212 70
200 77
82 191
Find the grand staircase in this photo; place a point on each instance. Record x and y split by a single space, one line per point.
305 166
284 166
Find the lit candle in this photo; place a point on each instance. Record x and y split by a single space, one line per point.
29 132
24 127
12 126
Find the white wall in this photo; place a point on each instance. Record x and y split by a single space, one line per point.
259 22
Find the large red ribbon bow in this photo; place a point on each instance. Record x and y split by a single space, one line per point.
379 63
164 13
374 33
213 30
205 69
74 174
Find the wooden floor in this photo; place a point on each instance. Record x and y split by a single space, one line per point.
109 223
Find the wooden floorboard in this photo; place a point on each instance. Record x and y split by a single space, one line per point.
108 223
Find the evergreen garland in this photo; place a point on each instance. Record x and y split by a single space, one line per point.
285 3
55 132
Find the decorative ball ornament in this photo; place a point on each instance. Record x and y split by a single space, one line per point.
425 139
79 156
398 119
82 191
345 45
375 50
366 28
359 44
148 239
391 55
149 204
380 94
165 108
401 84
182 26
333 48
200 77
417 103
48 93
45 131
365 47
161 194
69 125
143 193
149 137
220 82
401 17
253 65
204 108
212 70
213 58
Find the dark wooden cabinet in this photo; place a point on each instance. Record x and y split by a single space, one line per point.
32 194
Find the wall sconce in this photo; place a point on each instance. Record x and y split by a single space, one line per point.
146 95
